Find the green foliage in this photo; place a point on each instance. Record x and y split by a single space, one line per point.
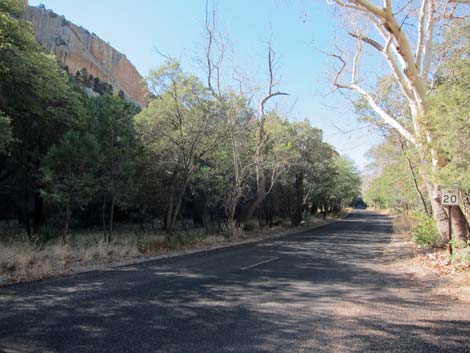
177 124
5 132
392 189
179 130
41 105
70 170
347 181
451 125
112 123
425 233
190 153
393 186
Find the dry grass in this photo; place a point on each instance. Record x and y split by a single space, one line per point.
403 223
23 260
433 266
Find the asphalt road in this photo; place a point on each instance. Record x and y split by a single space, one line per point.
326 290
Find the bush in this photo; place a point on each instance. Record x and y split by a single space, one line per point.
425 233
248 226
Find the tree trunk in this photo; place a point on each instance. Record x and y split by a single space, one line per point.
299 198
68 214
415 183
28 224
268 210
26 209
314 208
176 210
260 177
460 225
168 220
39 218
173 210
413 176
103 215
231 223
168 215
260 193
324 210
111 217
231 203
438 212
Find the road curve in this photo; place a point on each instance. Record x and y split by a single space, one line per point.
325 290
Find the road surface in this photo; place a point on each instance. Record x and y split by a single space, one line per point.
325 290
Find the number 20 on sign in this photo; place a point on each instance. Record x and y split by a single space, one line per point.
450 196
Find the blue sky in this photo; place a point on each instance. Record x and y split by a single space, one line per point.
299 29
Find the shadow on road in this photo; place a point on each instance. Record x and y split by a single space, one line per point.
328 291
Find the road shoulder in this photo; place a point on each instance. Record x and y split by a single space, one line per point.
429 268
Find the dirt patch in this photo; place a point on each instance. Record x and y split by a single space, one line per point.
431 268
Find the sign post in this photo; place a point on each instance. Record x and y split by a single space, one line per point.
449 198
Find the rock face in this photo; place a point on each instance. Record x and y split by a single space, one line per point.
78 49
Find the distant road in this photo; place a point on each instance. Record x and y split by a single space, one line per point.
325 290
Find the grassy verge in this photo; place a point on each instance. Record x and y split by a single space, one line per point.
23 260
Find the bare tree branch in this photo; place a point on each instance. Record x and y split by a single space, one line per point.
367 40
209 27
272 83
381 112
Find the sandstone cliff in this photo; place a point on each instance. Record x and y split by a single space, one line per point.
78 49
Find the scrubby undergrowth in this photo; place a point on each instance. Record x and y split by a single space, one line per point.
22 260
424 243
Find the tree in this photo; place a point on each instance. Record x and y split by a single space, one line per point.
347 183
234 162
396 149
113 125
179 129
70 173
290 151
411 72
41 106
451 130
233 159
259 159
307 168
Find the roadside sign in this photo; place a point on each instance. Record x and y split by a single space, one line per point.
450 196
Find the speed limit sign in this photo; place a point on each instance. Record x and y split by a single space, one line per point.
450 196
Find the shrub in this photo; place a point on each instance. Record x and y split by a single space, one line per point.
248 226
425 233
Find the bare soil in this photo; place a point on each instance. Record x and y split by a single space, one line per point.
430 267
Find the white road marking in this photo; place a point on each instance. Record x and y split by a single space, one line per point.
259 263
